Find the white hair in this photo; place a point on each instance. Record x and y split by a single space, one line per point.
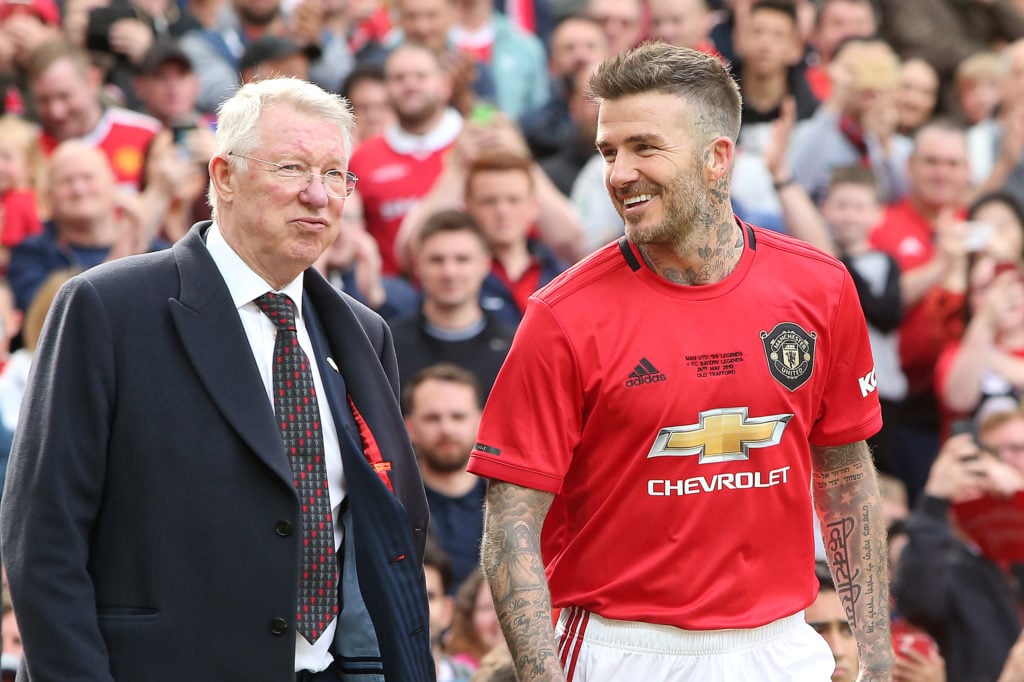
238 116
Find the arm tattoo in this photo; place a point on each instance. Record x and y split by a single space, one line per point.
849 505
511 560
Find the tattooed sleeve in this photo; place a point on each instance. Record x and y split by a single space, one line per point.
849 506
512 562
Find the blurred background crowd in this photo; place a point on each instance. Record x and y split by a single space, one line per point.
888 133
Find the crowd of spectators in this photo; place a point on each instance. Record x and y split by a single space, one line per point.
888 133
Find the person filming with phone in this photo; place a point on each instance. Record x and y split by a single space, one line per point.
964 599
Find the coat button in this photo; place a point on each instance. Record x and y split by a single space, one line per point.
279 626
283 528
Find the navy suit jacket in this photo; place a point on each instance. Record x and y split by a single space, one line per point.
141 524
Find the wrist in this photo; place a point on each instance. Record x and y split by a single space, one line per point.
783 183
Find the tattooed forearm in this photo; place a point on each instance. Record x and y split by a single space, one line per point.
849 505
511 559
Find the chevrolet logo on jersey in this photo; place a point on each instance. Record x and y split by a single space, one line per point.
721 435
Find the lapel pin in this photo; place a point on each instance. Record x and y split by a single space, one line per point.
330 361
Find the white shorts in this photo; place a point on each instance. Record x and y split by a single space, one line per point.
597 649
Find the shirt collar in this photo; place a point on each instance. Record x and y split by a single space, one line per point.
243 283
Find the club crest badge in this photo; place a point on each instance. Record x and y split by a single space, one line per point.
790 353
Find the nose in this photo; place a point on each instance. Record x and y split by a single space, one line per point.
315 194
621 171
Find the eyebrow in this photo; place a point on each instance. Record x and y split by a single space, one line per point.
633 139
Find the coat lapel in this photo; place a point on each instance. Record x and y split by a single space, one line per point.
350 348
215 342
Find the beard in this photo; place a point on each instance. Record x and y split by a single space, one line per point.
412 118
255 17
447 457
686 202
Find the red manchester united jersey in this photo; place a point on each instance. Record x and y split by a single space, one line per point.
673 424
124 136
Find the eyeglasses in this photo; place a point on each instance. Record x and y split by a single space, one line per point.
298 176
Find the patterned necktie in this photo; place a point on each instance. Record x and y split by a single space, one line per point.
295 405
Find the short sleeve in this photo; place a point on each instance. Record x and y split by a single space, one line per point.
849 410
533 418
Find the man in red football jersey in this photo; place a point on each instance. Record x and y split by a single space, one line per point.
666 406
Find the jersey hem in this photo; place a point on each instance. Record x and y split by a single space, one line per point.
863 432
509 473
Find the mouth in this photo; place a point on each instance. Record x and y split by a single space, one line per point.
635 202
311 223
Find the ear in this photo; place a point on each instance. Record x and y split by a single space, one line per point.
534 207
448 612
449 86
221 175
796 53
719 157
94 78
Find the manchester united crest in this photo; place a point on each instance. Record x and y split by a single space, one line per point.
790 352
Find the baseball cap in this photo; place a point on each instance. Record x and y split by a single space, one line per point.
163 51
269 48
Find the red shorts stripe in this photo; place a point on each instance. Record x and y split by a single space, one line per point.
566 642
578 644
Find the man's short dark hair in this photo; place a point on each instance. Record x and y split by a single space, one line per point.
854 175
823 5
365 71
495 162
786 7
451 220
442 371
698 78
576 16
824 575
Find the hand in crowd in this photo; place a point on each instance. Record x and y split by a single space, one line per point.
462 71
958 472
842 74
951 239
962 471
20 34
306 22
76 18
131 38
200 144
173 174
913 666
881 117
1002 296
497 135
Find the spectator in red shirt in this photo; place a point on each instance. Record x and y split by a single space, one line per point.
21 168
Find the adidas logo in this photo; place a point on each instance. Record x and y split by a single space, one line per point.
644 373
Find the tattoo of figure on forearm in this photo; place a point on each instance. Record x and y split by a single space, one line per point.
518 581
